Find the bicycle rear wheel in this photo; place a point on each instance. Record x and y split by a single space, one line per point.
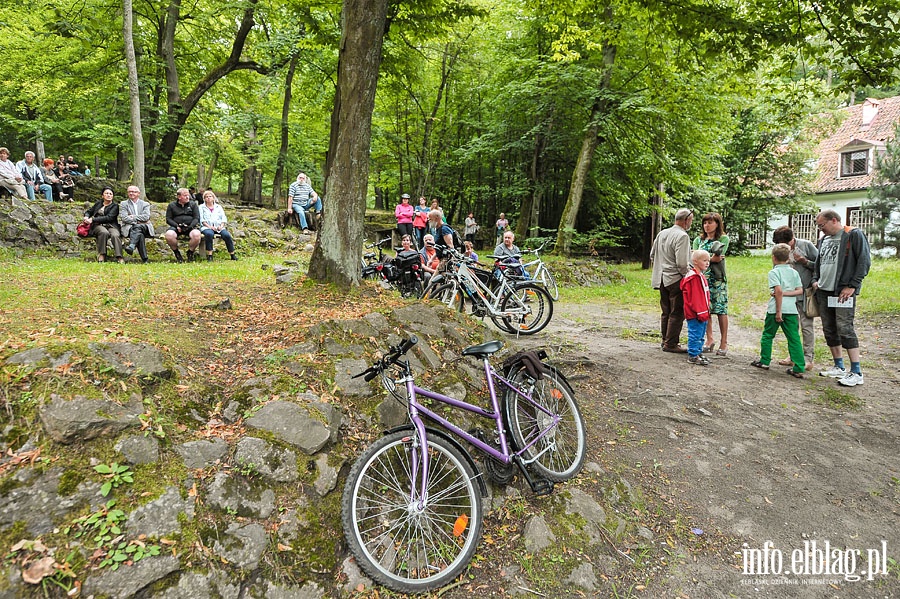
546 279
408 545
448 294
559 454
530 308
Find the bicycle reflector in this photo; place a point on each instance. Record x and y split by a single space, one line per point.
460 526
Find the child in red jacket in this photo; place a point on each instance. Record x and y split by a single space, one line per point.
695 290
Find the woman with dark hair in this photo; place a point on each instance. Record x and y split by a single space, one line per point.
103 217
714 240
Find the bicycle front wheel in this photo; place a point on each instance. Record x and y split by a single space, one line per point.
559 454
545 278
448 294
528 309
406 542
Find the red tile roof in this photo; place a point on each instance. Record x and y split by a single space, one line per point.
851 129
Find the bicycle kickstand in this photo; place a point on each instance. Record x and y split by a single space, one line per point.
539 486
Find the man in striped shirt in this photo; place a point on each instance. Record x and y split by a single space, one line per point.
301 198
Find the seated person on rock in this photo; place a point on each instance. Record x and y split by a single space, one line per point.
212 223
103 217
183 218
136 226
301 198
34 177
10 177
430 259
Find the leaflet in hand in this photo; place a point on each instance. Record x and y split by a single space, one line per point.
834 302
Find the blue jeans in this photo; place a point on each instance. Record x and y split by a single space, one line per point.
44 188
209 235
696 336
301 211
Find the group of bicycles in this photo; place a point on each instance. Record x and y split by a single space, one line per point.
517 296
412 503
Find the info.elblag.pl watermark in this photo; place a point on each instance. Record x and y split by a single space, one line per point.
813 563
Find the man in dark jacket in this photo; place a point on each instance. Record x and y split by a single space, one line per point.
183 218
844 261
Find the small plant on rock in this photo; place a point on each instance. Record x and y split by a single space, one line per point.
116 475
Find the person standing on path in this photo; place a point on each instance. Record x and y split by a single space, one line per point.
714 240
803 259
844 261
671 258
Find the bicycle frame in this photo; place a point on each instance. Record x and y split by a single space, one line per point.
484 292
503 455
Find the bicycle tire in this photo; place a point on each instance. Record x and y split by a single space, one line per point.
403 548
546 279
538 303
559 455
448 294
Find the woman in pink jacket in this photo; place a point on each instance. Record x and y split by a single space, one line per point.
404 213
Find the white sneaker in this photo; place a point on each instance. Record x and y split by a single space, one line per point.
851 379
834 372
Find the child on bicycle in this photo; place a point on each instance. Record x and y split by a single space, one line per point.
695 290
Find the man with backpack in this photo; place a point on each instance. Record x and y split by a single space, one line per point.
844 261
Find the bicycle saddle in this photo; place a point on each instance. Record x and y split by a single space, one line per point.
483 349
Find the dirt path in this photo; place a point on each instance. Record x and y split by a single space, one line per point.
747 455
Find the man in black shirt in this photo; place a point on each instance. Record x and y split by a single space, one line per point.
183 218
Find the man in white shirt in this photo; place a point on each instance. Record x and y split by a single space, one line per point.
10 177
671 257
34 179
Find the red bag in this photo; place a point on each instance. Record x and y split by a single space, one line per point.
83 229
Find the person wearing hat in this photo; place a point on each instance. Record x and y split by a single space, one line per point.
404 213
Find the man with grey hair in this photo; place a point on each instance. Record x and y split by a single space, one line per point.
34 179
10 177
844 261
136 226
671 258
302 197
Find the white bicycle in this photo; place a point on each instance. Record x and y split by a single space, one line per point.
539 272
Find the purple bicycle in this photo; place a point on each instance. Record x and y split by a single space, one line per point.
411 507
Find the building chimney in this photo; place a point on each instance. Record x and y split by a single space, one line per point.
870 110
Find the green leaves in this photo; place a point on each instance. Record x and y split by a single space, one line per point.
116 475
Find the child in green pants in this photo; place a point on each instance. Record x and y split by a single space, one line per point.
785 285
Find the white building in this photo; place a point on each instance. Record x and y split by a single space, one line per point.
845 168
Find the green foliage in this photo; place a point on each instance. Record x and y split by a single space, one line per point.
115 474
102 530
884 196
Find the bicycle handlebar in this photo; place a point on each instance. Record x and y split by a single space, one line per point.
393 356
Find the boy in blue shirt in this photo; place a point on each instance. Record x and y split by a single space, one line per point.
785 285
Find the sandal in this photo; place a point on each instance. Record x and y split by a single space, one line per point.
796 375
721 352
759 364
708 349
786 362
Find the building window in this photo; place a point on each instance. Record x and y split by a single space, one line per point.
867 220
804 226
855 163
755 235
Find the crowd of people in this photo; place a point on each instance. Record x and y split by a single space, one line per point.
25 179
116 224
806 281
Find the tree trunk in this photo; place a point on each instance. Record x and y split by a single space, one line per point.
123 168
285 128
585 157
137 135
379 198
251 187
336 256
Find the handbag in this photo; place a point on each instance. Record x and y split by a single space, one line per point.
811 308
83 229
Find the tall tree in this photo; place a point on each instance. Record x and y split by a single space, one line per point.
336 255
134 94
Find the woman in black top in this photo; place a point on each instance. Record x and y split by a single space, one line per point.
104 220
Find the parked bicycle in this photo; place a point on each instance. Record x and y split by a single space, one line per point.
411 507
539 272
514 305
403 272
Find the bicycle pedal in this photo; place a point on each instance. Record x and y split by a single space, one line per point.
541 486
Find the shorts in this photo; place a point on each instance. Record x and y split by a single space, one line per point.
185 234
